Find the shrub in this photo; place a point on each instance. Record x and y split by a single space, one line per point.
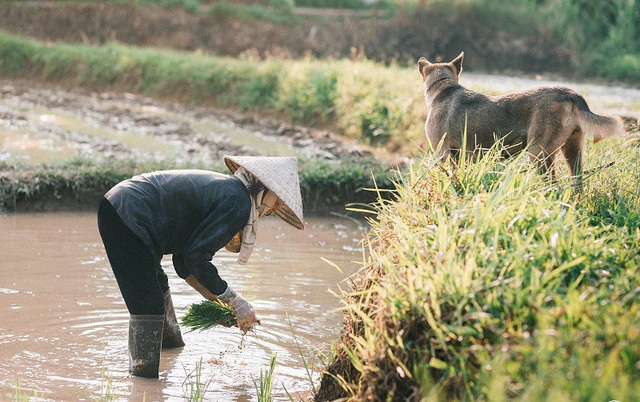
378 104
81 183
308 92
279 13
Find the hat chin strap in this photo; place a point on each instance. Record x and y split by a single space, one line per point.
269 204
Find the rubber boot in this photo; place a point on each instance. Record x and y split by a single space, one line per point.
171 336
145 339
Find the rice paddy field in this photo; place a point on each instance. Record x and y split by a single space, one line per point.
63 335
478 280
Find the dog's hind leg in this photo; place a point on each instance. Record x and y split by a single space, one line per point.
572 150
545 137
541 153
544 160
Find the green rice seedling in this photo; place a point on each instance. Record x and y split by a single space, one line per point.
195 387
264 386
19 395
307 367
208 314
108 392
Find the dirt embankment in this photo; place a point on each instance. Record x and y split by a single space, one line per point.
100 138
406 38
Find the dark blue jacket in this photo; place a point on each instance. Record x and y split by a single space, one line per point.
188 213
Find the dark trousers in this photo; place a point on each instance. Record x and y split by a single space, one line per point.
140 277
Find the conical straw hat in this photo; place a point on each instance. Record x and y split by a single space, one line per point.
278 174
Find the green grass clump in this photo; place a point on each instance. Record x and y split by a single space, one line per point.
486 282
74 184
330 184
208 314
380 104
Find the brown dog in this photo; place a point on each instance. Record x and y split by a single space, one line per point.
546 120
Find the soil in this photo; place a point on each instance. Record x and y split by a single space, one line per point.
170 123
336 34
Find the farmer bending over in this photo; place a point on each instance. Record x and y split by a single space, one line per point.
191 214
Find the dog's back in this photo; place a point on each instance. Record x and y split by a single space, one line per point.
482 118
521 118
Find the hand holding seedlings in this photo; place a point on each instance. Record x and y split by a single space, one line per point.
208 314
245 315
229 309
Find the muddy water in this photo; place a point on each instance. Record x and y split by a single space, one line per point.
63 325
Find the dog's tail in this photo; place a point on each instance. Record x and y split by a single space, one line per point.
601 127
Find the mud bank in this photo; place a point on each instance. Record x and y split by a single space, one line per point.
62 149
116 126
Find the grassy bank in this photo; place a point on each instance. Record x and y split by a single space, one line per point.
361 99
487 283
80 184
602 34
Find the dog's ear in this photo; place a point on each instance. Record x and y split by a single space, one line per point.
457 63
422 64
